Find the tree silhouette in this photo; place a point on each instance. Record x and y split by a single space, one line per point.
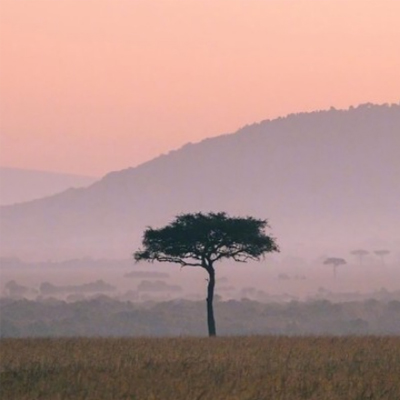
360 253
200 240
335 262
382 253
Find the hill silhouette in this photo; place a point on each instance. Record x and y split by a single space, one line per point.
21 185
325 180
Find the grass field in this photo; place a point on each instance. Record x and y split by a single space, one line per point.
251 368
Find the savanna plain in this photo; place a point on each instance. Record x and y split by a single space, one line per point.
245 368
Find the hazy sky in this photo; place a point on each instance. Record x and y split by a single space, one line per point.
90 86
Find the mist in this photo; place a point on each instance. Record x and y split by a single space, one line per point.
278 296
279 278
327 182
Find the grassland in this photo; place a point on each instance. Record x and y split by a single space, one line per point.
248 368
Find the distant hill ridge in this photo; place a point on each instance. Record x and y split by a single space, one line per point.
323 179
20 185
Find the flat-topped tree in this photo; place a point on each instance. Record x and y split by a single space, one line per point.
335 262
382 253
200 240
360 253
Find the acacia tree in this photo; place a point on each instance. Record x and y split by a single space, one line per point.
335 262
201 240
360 253
382 253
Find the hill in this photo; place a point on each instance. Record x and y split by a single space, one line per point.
22 185
326 181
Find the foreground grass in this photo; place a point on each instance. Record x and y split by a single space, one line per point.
252 368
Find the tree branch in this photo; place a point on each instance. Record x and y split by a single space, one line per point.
176 261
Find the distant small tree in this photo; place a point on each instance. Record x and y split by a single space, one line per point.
200 240
382 253
360 253
335 262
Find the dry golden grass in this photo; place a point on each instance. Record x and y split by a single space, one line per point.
251 368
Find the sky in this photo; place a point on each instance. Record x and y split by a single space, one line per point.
93 86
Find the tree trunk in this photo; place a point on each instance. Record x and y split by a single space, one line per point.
210 297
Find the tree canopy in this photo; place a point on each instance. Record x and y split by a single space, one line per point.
201 239
335 262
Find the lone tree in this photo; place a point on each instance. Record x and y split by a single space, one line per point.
335 262
200 240
360 253
382 253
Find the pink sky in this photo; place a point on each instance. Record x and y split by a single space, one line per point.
91 86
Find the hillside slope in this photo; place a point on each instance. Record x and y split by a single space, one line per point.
327 179
22 185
